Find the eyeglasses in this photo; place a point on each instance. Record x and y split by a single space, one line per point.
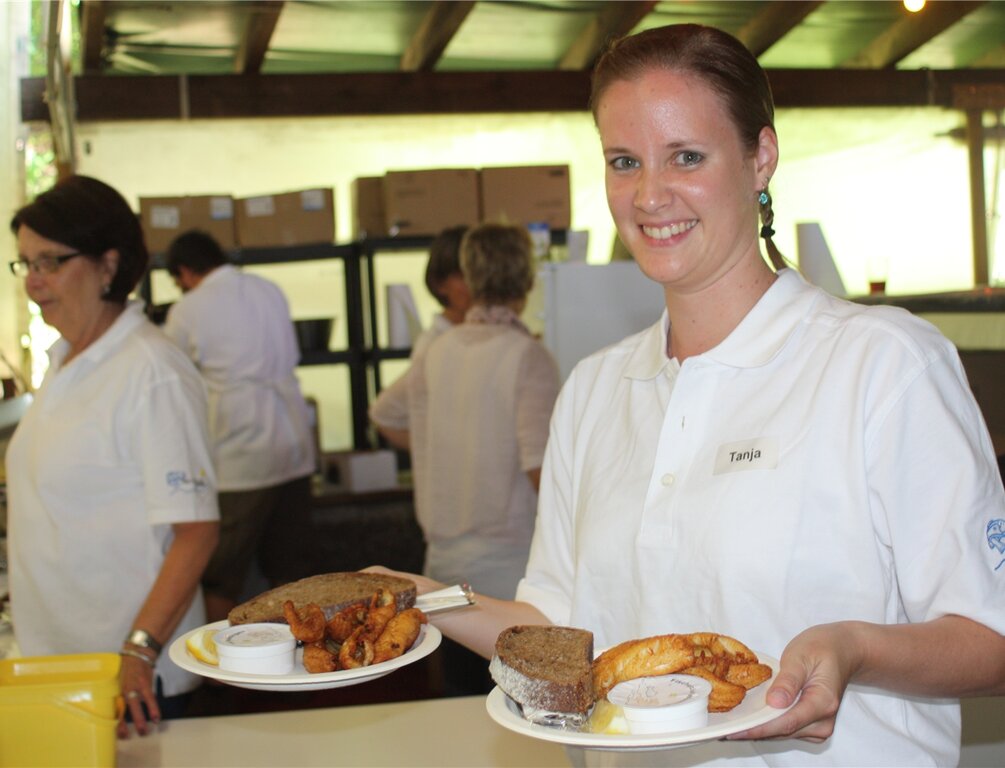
45 265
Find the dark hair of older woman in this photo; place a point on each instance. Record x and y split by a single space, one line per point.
90 216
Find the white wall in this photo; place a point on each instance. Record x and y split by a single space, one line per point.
247 157
883 182
886 186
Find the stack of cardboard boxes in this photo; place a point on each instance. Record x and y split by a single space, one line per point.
164 218
291 218
424 202
397 204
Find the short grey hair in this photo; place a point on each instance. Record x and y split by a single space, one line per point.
497 263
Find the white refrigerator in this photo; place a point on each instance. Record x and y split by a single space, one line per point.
579 308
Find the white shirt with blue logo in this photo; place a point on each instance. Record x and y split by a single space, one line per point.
113 450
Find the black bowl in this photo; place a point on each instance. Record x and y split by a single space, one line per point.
313 335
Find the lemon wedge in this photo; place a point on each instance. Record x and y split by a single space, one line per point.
201 645
607 718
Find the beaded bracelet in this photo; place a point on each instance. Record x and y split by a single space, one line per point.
138 655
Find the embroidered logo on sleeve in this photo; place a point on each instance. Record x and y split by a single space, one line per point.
180 482
759 453
996 538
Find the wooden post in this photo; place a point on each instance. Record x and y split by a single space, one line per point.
978 206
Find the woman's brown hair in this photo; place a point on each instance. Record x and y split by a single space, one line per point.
720 61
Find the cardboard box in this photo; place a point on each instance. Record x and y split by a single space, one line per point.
362 471
427 202
291 218
164 218
368 219
527 194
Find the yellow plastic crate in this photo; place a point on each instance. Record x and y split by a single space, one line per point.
59 710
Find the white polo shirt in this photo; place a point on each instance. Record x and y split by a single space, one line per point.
113 450
237 330
825 462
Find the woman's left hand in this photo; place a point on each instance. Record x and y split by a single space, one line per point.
136 681
815 669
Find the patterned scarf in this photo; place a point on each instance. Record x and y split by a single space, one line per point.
495 315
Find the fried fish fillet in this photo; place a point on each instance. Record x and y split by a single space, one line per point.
666 654
659 655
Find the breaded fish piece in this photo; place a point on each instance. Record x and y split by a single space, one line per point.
659 655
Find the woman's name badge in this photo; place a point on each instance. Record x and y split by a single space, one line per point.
759 453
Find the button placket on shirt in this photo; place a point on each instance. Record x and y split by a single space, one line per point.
671 452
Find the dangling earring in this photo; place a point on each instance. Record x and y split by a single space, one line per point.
767 215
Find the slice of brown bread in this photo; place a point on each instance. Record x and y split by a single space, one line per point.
331 591
545 668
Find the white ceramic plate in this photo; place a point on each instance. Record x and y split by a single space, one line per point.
753 710
300 680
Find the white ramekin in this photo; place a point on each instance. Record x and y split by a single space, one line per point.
664 703
259 649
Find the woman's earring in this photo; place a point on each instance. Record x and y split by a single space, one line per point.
764 198
106 289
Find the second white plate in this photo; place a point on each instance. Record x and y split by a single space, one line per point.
753 710
300 680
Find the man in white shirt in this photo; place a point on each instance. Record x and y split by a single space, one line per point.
237 330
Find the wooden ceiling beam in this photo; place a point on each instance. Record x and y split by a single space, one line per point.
263 15
773 22
614 20
436 30
100 98
92 34
910 32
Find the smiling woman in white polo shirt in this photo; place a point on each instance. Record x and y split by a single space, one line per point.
111 492
808 475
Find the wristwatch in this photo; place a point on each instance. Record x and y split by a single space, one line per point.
144 639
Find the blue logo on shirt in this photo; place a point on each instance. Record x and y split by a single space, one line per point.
996 538
179 481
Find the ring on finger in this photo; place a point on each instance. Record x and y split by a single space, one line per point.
133 695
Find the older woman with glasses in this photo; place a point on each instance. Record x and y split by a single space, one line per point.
112 503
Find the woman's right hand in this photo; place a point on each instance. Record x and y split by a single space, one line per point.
136 681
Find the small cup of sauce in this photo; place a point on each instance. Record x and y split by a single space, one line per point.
663 704
258 649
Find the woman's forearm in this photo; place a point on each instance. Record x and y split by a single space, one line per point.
951 656
172 591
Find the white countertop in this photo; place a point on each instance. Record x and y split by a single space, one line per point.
434 732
